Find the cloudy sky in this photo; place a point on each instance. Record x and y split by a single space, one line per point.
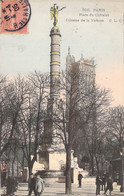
94 29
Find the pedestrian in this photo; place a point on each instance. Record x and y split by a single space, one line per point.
32 184
9 185
98 182
103 181
109 185
80 179
39 186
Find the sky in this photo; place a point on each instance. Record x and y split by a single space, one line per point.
92 28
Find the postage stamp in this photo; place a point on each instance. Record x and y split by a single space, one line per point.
15 15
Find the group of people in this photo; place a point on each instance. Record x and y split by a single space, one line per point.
104 183
35 185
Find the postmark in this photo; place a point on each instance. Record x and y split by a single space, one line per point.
15 15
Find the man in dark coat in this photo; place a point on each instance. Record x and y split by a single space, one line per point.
32 184
103 181
98 182
80 179
109 185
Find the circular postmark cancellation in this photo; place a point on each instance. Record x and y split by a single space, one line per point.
15 14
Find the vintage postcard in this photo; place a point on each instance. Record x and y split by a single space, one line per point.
63 130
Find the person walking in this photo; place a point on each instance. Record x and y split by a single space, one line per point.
32 184
80 179
109 186
98 182
39 186
103 181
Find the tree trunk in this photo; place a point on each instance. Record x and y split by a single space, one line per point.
30 166
17 167
0 173
13 167
92 155
92 164
97 165
30 169
23 161
68 171
13 162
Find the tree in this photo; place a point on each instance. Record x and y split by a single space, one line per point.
74 113
15 157
115 124
11 101
95 129
30 126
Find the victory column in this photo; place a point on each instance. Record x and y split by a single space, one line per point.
54 76
55 56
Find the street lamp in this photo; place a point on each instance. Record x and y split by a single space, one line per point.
122 170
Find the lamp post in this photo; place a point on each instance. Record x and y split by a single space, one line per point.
122 170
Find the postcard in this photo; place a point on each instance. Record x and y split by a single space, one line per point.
39 37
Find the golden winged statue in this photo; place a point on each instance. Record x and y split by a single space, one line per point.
54 13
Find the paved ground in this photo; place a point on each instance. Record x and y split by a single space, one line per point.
58 189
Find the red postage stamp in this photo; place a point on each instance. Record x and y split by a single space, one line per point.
15 14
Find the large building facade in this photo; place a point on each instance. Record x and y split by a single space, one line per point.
86 67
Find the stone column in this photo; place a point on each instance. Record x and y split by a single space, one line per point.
55 63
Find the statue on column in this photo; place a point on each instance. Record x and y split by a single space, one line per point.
54 13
